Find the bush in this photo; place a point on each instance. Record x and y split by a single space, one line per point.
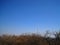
31 39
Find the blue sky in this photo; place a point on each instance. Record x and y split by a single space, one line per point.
24 16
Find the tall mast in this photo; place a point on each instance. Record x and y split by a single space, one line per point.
37 29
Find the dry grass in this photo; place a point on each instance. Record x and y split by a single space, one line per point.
32 39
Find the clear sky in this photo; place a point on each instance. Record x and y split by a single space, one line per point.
24 16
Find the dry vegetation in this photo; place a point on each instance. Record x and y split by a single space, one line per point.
32 39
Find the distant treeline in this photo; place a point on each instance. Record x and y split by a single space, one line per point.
33 39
